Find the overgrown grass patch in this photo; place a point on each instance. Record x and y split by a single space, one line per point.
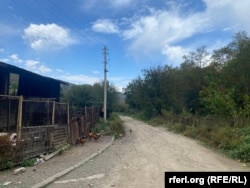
27 162
241 147
116 125
113 126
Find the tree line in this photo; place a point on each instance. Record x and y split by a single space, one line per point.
79 96
205 83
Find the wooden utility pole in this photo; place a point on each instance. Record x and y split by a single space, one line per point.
105 84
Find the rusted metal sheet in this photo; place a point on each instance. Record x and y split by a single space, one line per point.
82 122
75 133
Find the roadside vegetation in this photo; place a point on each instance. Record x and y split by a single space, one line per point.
113 126
80 96
207 98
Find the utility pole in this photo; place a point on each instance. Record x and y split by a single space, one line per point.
105 83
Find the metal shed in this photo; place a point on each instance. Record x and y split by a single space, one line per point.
30 85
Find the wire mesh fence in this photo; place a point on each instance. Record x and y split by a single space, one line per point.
40 125
8 113
37 113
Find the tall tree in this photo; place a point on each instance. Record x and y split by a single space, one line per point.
135 94
87 95
230 89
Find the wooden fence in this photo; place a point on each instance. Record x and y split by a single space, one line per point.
41 126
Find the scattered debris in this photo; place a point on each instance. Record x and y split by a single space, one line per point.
39 160
7 183
19 170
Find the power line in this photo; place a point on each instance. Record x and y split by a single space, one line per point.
63 13
30 10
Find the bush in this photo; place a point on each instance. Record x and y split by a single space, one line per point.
116 127
27 162
6 165
101 127
177 128
241 149
6 156
113 126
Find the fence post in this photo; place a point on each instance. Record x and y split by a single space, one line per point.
86 115
19 117
68 124
53 113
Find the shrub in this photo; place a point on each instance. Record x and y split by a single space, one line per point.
6 156
116 125
27 162
6 164
241 149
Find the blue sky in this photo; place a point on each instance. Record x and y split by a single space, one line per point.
64 39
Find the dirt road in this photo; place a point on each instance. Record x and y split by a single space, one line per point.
141 157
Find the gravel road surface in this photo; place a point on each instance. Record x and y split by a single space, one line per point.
140 159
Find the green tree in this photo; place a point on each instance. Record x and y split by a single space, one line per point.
135 94
154 87
86 95
77 95
192 74
228 92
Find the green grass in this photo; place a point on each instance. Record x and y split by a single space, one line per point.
27 162
113 126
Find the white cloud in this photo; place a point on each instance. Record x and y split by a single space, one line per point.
32 64
153 32
15 58
135 30
175 53
161 30
44 69
119 82
36 66
229 13
5 60
79 79
105 26
48 37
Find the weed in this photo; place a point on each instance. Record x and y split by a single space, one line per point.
27 162
6 165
